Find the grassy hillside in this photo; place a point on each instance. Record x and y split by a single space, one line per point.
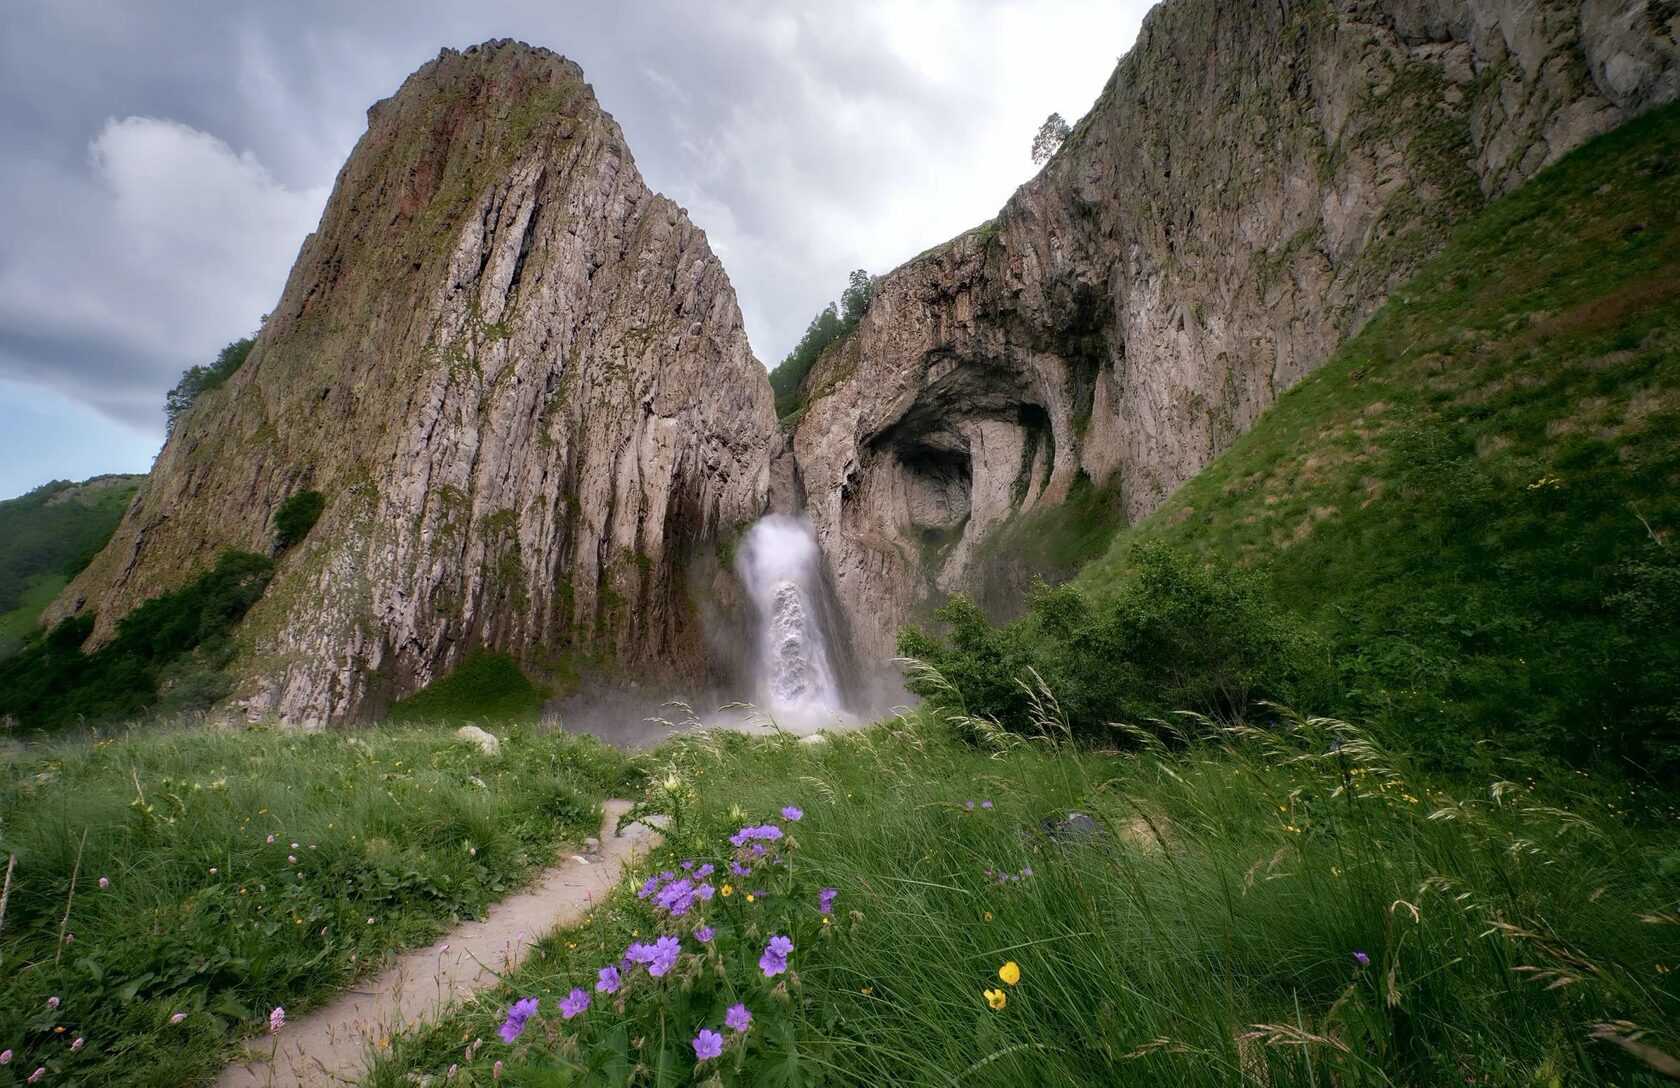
213 876
46 537
1477 500
1261 907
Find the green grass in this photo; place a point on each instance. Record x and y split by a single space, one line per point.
486 687
23 621
1477 498
1206 937
399 833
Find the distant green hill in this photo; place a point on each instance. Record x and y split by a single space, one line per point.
1477 500
46 537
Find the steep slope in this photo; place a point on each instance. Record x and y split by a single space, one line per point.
519 378
46 537
1478 497
1253 181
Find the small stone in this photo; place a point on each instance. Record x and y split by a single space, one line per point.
486 742
1075 827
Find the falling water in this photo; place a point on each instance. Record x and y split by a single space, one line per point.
780 565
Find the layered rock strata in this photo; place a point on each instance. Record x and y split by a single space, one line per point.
521 380
1253 181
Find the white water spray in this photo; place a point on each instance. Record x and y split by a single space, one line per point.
780 565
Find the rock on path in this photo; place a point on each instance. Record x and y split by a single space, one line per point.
333 1044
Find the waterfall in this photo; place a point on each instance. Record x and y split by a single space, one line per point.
780 565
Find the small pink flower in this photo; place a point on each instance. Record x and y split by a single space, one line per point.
442 948
294 846
40 1072
6 1056
69 938
271 840
78 1044
496 1071
214 870
52 1002
277 1019
177 1018
104 882
291 859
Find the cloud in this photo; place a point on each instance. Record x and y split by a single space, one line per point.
172 159
168 245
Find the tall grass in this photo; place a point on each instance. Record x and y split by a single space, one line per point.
180 903
1207 931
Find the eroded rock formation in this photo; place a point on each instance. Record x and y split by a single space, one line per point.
1254 180
522 382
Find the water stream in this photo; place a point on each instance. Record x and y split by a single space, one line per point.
780 565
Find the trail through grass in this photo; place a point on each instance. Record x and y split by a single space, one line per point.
218 875
1289 907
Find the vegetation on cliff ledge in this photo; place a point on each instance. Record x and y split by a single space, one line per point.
1474 502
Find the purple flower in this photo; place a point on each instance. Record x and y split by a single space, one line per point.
792 812
774 960
708 1044
519 1012
705 934
985 804
740 870
649 888
968 804
704 892
704 871
277 1019
688 865
664 955
607 980
825 900
762 831
574 1003
1027 871
758 849
676 897
1362 958
737 1018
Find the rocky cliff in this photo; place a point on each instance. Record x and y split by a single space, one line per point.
1252 182
521 380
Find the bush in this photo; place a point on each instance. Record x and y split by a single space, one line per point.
296 516
1175 637
198 380
485 687
52 683
828 327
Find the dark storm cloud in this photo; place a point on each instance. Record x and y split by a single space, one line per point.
162 162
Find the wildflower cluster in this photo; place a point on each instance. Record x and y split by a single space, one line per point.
720 959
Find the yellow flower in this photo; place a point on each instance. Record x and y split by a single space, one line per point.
987 916
997 999
726 890
1010 973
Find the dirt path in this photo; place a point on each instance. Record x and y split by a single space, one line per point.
331 1045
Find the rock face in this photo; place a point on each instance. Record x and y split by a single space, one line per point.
522 382
1253 181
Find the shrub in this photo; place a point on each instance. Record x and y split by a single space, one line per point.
1175 637
484 687
198 380
52 683
296 516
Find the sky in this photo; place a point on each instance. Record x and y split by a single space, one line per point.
161 163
